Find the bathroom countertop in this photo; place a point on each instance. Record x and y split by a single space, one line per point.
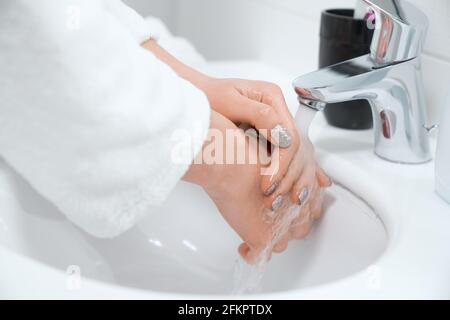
416 264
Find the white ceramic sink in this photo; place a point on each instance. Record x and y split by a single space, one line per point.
186 247
386 238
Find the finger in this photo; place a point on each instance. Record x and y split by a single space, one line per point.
302 191
301 226
282 245
244 250
252 256
267 121
286 184
248 254
303 217
302 229
281 133
281 162
280 158
258 231
323 179
315 202
273 96
252 226
311 211
317 205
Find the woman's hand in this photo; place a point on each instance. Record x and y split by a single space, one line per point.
261 105
243 195
303 186
234 188
257 103
300 189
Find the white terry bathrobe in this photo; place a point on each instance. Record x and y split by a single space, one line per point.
87 116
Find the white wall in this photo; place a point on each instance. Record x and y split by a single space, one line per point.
166 10
285 33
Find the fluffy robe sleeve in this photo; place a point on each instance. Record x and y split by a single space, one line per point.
89 117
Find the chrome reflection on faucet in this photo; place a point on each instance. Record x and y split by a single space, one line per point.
390 78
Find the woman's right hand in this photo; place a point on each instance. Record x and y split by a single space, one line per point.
241 192
235 189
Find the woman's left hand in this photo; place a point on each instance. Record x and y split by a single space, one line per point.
261 105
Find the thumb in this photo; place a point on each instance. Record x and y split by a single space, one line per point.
267 121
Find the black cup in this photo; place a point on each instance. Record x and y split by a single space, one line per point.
343 37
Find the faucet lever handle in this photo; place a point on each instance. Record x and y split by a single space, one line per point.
400 31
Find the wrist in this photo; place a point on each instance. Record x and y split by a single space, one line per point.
198 79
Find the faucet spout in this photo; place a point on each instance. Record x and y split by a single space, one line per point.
395 93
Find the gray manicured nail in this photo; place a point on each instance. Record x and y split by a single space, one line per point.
276 204
252 133
272 189
303 197
281 137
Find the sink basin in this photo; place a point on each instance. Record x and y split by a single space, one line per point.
186 247
384 235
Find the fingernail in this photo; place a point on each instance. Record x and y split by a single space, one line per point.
271 189
303 197
281 137
252 133
276 204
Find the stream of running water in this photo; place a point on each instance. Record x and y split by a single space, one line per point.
248 278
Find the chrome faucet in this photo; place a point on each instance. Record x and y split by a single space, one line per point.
390 78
